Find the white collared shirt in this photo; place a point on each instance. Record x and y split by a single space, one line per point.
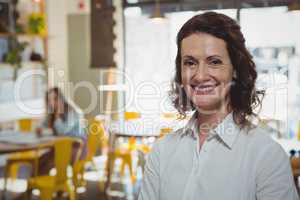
232 164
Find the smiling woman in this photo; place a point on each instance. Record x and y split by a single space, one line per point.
219 149
206 71
219 48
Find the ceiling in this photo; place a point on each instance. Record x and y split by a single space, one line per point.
195 5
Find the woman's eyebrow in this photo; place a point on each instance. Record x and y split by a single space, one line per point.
189 57
214 56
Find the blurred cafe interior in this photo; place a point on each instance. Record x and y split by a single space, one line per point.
84 88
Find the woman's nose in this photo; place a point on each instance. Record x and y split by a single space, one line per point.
202 72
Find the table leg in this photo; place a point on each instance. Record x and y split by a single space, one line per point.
111 149
5 176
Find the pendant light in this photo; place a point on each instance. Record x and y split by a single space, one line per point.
157 15
295 6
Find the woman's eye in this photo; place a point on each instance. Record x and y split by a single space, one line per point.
215 62
189 63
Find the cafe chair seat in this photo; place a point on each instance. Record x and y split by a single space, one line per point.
47 185
16 160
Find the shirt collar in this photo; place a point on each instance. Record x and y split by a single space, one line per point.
226 131
191 128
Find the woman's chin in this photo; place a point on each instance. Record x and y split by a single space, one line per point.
206 104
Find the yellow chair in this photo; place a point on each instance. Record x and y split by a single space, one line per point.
125 155
126 158
96 139
25 125
16 160
125 151
47 185
131 115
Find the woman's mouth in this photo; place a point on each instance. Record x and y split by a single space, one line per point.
203 89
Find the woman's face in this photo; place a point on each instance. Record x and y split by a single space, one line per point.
206 71
53 101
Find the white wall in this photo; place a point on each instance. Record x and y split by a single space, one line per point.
57 11
270 27
85 79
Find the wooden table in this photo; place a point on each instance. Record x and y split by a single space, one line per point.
12 141
11 148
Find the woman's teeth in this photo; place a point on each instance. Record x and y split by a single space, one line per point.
204 88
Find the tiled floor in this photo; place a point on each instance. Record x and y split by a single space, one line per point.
92 192
120 189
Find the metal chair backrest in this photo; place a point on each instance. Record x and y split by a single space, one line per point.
63 148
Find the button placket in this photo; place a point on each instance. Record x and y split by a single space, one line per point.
187 195
202 157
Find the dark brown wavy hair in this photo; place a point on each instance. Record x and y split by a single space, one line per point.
243 95
51 113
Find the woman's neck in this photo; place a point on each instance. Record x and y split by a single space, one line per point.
208 121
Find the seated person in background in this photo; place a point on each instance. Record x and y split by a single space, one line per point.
63 120
61 117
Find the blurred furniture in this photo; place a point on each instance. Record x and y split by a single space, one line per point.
125 154
23 143
131 128
12 148
295 163
96 139
124 151
15 160
131 115
47 185
25 125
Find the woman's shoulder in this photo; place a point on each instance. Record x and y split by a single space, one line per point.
260 133
260 138
169 142
74 114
